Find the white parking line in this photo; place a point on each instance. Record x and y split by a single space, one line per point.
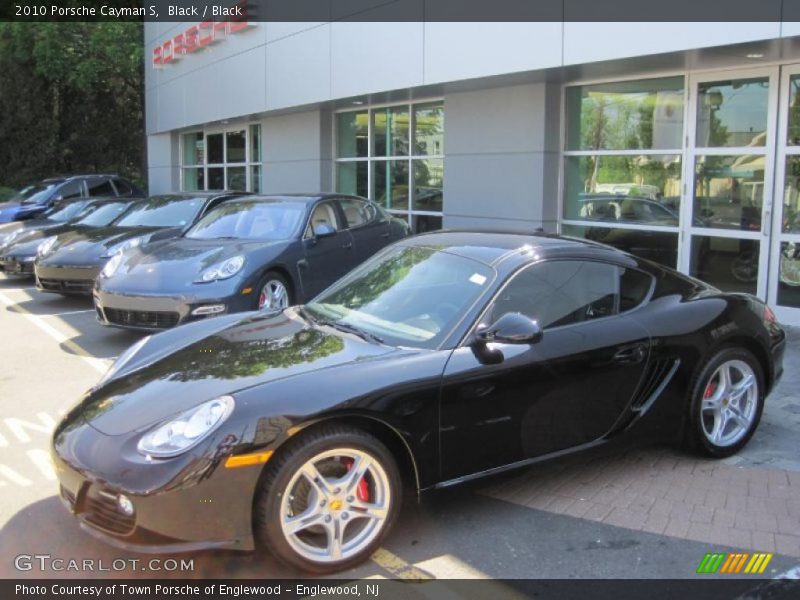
69 312
96 363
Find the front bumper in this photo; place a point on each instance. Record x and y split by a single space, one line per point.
157 312
184 504
17 265
66 279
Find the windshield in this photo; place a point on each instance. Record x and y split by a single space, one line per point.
34 194
405 295
163 211
250 220
100 215
65 212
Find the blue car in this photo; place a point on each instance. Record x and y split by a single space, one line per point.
33 200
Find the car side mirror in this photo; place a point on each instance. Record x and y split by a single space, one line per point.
323 230
511 328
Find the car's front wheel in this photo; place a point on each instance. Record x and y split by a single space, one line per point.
328 499
726 404
274 292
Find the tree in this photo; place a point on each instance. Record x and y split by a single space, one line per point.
71 99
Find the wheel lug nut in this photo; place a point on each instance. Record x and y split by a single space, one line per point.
323 503
327 518
336 490
344 515
349 498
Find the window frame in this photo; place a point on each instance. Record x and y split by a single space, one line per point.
409 213
248 165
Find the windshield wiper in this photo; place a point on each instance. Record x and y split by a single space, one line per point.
348 328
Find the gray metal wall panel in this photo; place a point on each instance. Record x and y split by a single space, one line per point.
298 68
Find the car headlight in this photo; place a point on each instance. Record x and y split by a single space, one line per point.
123 359
46 245
111 266
223 270
122 246
186 430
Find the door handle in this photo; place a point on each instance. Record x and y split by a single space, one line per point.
347 245
631 354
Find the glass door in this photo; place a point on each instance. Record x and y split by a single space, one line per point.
728 175
784 278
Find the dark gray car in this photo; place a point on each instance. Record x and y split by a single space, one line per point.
257 252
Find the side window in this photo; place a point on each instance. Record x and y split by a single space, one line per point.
563 292
323 220
100 187
357 212
123 188
71 189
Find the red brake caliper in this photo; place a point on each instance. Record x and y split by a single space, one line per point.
709 390
362 491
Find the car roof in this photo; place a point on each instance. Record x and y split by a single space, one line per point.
61 178
301 197
510 249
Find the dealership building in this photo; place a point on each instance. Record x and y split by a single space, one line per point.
679 142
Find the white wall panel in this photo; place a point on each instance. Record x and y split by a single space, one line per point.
299 68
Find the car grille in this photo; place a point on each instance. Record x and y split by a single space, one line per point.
100 509
141 318
82 286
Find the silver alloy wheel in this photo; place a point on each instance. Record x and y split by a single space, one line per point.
730 401
273 296
335 505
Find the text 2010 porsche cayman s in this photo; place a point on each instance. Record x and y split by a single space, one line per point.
444 357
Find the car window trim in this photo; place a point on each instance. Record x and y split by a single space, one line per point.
374 221
646 300
308 233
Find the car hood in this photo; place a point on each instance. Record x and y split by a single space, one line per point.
27 242
172 266
88 246
243 353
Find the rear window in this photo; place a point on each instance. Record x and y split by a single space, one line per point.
164 211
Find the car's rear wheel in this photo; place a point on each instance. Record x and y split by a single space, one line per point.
726 404
328 499
274 292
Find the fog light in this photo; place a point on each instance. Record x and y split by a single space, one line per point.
209 309
125 505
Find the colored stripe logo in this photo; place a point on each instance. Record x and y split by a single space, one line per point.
735 562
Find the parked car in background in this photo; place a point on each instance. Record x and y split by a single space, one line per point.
31 201
18 255
63 211
70 262
256 252
445 357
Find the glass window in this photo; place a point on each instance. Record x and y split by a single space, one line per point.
390 131
123 189
255 143
251 220
428 129
658 246
235 146
727 263
351 134
215 149
100 187
237 178
398 295
789 278
71 189
193 180
65 211
100 215
33 194
626 115
351 178
563 292
193 149
732 113
729 192
631 189
255 178
791 196
424 223
216 178
357 212
428 182
163 211
324 219
390 179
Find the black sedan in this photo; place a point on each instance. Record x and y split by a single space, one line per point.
70 262
258 252
18 255
61 212
446 357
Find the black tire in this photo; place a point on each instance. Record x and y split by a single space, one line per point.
273 276
280 473
697 438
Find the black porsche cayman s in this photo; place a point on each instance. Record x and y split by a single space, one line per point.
445 357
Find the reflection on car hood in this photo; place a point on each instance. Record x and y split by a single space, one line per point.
256 349
173 265
27 243
88 245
